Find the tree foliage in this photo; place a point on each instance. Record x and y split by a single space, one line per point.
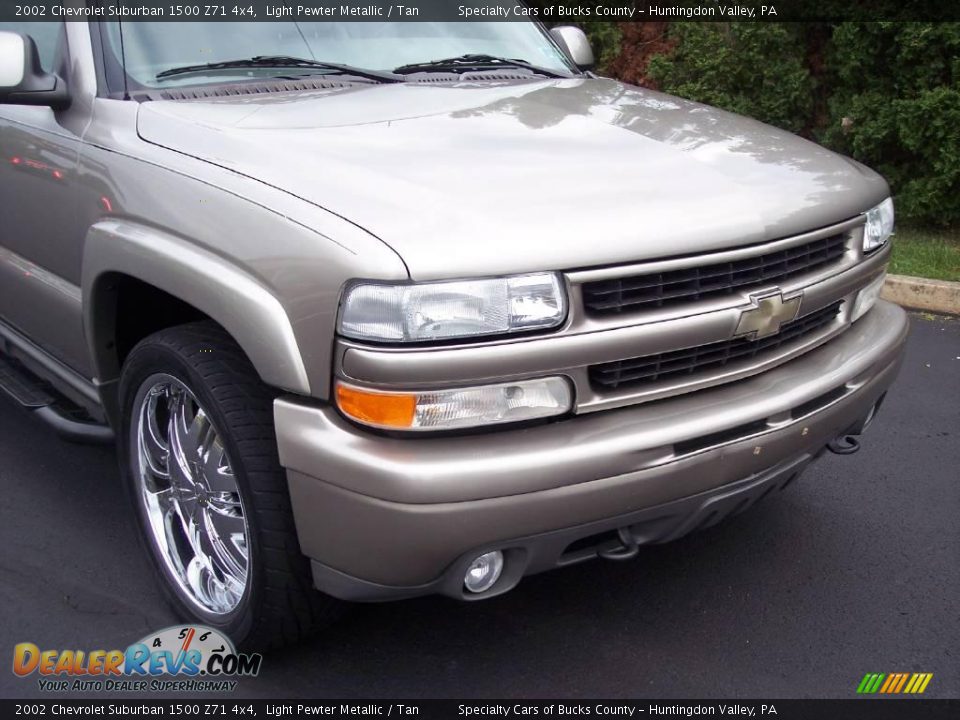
750 68
886 93
896 107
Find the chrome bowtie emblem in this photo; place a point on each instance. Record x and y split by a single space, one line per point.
768 313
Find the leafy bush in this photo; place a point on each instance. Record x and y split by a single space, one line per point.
756 69
886 93
896 107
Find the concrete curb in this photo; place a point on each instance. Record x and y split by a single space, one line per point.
939 296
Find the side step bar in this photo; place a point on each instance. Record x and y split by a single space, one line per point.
30 394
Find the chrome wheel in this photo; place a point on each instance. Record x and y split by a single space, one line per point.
194 512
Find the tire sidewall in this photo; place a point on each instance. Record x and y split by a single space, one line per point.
144 361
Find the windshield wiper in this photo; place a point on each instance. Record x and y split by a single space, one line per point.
474 62
282 61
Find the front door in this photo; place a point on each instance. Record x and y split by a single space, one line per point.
41 240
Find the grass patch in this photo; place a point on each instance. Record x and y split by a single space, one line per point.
931 254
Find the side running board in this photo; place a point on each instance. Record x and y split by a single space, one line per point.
30 394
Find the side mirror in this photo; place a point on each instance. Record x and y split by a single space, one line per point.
575 42
23 81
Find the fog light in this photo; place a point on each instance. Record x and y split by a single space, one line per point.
484 572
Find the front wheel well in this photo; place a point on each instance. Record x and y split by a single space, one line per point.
125 311
143 310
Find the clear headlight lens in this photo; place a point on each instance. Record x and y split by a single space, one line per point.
879 226
867 297
458 408
457 309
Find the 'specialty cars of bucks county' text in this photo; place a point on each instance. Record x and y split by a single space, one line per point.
380 310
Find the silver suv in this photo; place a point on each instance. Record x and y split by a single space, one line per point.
383 310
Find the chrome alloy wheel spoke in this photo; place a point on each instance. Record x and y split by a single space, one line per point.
154 448
188 488
188 429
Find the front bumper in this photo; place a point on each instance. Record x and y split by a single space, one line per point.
385 517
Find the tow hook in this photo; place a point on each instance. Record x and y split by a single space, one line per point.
629 550
844 445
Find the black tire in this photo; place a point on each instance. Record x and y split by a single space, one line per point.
279 605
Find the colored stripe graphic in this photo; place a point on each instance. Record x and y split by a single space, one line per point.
903 680
870 683
894 683
918 683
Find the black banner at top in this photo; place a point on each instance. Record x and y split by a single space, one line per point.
550 11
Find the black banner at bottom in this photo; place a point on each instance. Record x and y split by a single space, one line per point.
868 709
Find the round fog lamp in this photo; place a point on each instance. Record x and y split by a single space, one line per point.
484 572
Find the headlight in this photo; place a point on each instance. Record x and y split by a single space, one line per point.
457 408
457 309
879 226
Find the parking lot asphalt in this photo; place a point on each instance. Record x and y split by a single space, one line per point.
853 569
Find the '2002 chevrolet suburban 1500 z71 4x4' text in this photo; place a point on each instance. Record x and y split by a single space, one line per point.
383 310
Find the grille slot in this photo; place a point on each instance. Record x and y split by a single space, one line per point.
818 403
676 287
688 447
651 368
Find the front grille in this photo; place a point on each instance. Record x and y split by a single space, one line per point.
676 287
651 368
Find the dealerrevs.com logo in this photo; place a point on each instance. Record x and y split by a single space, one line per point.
197 657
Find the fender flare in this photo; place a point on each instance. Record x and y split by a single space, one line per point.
231 297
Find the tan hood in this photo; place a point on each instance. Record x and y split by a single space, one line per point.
477 179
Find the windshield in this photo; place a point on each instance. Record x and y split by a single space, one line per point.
150 48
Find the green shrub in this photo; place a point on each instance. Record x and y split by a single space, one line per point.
897 85
888 94
756 69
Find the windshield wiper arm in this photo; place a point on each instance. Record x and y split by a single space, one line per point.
281 61
474 61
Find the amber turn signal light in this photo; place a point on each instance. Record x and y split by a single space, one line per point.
392 410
